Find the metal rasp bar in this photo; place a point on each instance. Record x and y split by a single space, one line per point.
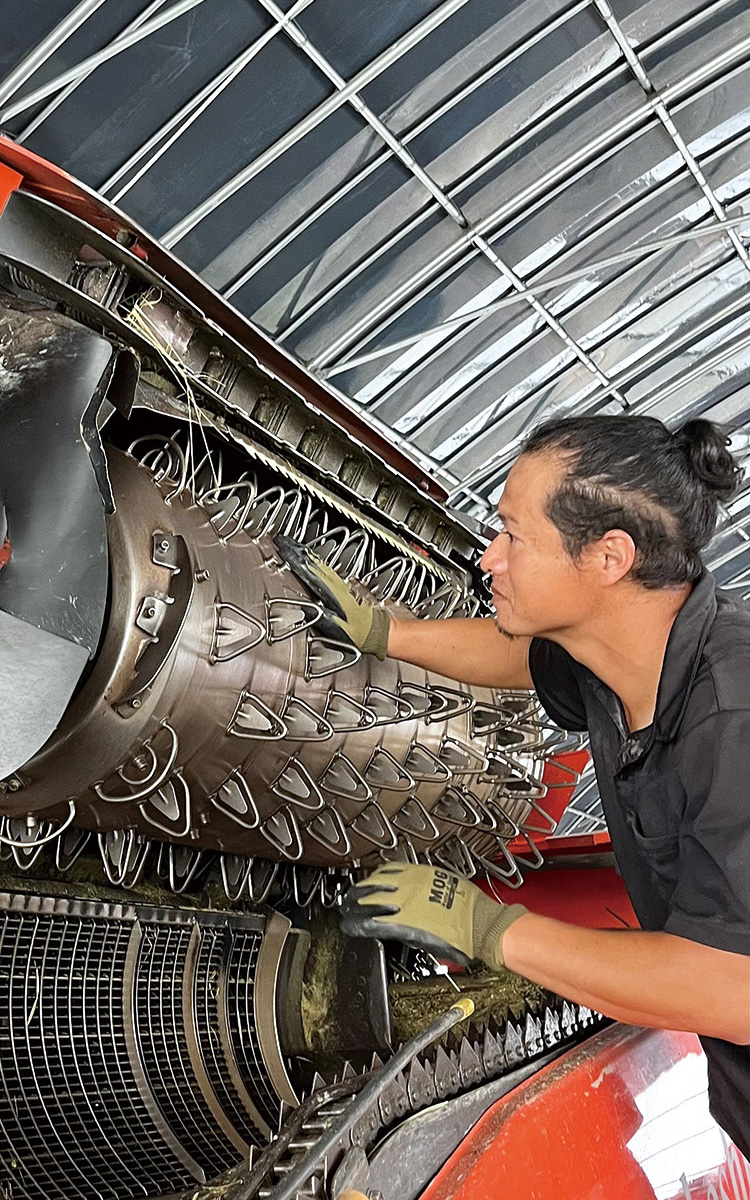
459 1011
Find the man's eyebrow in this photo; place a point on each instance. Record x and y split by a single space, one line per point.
506 518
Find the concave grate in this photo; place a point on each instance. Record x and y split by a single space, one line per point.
117 1076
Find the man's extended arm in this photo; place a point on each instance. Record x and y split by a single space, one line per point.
469 649
641 978
656 979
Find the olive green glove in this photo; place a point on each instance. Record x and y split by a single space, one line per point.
346 617
431 907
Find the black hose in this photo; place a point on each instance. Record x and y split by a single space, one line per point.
288 1188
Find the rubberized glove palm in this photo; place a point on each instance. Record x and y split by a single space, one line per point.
346 616
431 907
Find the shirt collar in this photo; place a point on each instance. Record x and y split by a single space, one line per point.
682 657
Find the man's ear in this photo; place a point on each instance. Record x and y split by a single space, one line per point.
614 555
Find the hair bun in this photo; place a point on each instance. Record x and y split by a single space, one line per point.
705 446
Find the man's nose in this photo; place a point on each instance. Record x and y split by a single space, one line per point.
494 558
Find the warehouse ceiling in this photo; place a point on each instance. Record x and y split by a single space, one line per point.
459 216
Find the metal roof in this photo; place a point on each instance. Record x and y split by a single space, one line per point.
459 216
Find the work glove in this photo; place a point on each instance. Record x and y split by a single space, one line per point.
430 907
346 617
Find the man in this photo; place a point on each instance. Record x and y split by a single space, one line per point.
602 605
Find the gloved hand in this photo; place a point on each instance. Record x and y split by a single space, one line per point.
431 907
346 617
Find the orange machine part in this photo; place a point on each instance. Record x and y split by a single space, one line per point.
622 1117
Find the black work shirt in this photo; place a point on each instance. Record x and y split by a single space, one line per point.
676 796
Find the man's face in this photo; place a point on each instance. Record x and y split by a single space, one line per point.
536 587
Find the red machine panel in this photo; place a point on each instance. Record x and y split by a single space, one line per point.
623 1117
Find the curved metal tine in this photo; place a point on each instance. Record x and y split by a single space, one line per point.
337 535
125 871
433 770
167 447
306 881
404 711
386 773
546 830
286 518
235 519
233 799
458 703
469 807
397 567
566 769
427 586
349 655
414 820
330 831
145 786
458 597
341 778
311 610
332 888
487 719
434 703
184 807
235 872
571 743
497 811
511 878
406 583
272 498
295 785
349 559
517 703
557 739
317 524
441 595
536 861
41 833
403 851
515 768
471 606
459 757
24 854
319 728
70 846
261 876
466 863
282 830
181 876
366 718
526 787
298 529
411 595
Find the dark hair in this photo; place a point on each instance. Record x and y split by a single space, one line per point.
631 473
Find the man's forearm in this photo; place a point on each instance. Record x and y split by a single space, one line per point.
469 649
654 979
